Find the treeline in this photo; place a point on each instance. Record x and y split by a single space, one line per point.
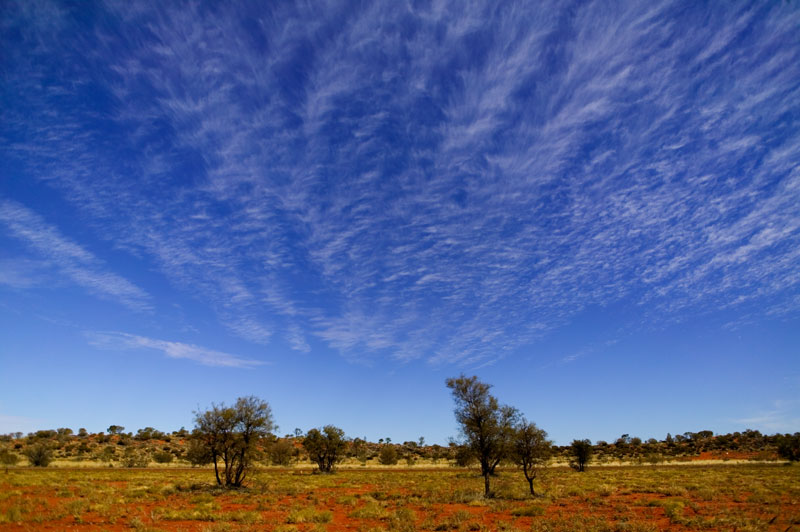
750 444
149 446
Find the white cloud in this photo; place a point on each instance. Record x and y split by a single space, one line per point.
783 416
201 355
70 259
433 188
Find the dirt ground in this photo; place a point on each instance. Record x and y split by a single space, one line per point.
636 498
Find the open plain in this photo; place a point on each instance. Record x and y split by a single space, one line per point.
740 497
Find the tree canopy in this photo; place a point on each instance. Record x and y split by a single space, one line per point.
231 433
531 450
325 447
486 426
581 453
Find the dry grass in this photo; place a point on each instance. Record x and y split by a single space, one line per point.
720 497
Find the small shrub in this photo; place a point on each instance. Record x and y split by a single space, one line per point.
388 455
371 510
281 453
163 457
528 511
309 515
403 521
39 455
107 454
464 457
789 447
653 458
134 459
197 453
7 458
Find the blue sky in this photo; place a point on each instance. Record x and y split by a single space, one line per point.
336 206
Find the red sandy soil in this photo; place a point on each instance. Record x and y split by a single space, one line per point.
635 506
610 508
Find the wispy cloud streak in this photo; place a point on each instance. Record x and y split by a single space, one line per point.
70 259
781 416
443 182
201 355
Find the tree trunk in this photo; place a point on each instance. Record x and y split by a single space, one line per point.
530 484
486 492
216 472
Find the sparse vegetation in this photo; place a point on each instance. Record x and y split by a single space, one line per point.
721 497
630 498
109 450
495 436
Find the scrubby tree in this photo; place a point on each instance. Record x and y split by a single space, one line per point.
281 453
463 456
149 433
39 455
486 426
107 454
48 434
358 449
115 429
197 453
231 435
387 455
133 458
532 450
789 446
163 457
325 447
8 459
581 454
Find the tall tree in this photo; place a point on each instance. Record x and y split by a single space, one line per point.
532 450
486 426
231 434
